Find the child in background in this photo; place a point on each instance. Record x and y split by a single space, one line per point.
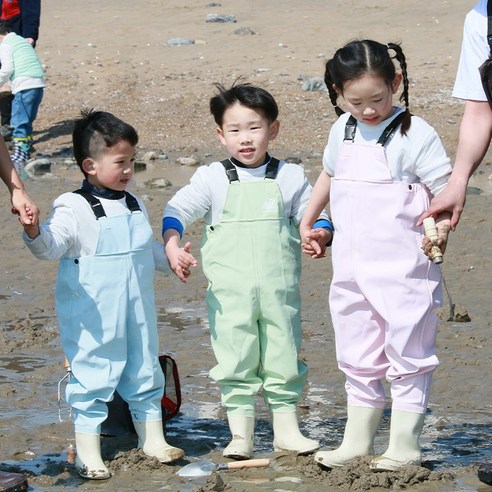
21 66
252 204
105 292
380 167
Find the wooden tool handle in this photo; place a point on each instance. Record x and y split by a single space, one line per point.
431 232
257 463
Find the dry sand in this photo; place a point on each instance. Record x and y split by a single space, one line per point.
113 55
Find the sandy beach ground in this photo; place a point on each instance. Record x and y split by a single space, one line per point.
121 56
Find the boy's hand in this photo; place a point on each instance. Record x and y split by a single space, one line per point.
180 259
314 242
32 230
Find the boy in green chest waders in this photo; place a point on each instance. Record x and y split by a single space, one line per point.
252 204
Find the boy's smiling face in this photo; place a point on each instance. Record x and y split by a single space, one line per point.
246 133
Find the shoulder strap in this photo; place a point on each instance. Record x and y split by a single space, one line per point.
94 202
131 203
350 127
390 129
97 208
388 132
230 170
270 173
272 168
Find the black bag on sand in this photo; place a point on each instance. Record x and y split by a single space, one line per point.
12 482
119 421
486 68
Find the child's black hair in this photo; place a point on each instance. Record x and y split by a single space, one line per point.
4 28
359 58
96 131
246 94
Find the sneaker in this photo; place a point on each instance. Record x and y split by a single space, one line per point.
6 131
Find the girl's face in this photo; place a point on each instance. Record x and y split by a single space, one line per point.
369 98
246 134
113 169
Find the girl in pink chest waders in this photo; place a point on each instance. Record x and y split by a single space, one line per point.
384 290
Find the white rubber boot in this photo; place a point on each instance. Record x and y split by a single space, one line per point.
242 430
404 447
288 437
88 461
151 440
358 438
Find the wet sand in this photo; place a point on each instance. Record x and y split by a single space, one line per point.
106 56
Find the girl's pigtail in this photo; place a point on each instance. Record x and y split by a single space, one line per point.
400 57
331 91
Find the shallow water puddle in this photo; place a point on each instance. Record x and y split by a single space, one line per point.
20 365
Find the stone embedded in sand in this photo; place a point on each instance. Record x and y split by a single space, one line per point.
38 166
192 160
158 183
220 18
180 42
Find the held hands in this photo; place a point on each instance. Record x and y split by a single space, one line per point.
180 259
443 226
451 199
314 241
23 206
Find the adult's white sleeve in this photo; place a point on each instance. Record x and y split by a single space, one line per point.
474 51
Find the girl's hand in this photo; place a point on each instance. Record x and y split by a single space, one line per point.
443 225
315 241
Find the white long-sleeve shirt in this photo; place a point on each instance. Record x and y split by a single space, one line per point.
205 195
418 157
72 230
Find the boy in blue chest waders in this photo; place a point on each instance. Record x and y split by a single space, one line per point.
105 293
252 204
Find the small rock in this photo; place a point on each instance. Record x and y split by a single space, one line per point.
440 423
140 166
188 161
158 183
485 473
220 18
149 156
70 162
314 84
38 166
472 190
461 315
244 31
180 42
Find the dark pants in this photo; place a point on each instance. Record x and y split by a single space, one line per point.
6 109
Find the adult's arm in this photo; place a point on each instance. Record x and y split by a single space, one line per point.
30 19
473 141
21 202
